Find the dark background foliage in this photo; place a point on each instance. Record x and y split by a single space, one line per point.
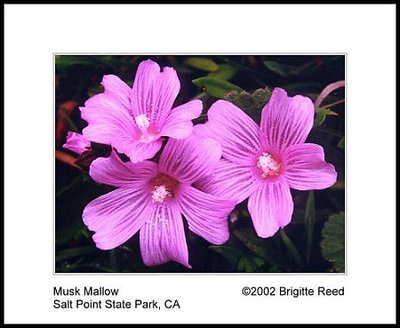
312 242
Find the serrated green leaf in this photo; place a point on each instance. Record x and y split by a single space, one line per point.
291 247
250 103
333 241
215 87
73 252
241 99
341 143
225 72
203 63
261 97
309 220
231 254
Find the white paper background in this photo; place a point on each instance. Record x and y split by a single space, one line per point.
366 33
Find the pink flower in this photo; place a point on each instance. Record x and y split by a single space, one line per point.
76 142
263 163
133 120
152 198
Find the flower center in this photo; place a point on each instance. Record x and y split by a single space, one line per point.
159 193
142 121
268 165
163 187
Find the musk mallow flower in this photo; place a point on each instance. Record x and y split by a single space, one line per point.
152 198
133 120
76 142
263 163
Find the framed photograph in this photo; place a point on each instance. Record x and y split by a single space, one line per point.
199 164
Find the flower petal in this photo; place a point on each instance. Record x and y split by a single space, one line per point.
270 207
237 132
286 120
116 216
112 171
179 122
141 93
165 91
228 181
162 238
107 118
76 142
136 151
115 87
207 215
189 159
154 92
306 169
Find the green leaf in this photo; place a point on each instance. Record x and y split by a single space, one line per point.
258 261
287 70
250 264
73 185
251 71
107 59
261 97
113 260
333 241
215 87
74 231
241 99
321 114
290 247
250 103
231 254
303 87
242 264
66 117
73 252
309 220
94 90
96 61
250 240
225 72
68 267
68 60
328 131
341 143
205 64
281 69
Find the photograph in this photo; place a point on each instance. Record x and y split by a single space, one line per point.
199 163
